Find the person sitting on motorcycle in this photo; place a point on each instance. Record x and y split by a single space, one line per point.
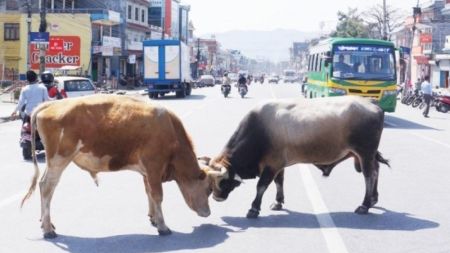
226 82
47 79
30 96
242 81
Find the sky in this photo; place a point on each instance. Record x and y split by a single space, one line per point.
217 16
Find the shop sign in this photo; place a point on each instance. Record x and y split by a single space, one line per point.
426 38
111 41
56 55
132 59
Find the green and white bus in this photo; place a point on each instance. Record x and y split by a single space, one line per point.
351 66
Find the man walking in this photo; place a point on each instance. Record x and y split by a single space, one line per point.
427 93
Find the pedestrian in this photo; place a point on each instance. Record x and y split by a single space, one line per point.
427 93
30 96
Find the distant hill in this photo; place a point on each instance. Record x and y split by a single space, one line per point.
273 45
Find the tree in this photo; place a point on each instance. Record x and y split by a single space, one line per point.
350 25
375 21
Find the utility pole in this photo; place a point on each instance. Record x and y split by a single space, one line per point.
28 5
385 36
416 13
198 56
42 29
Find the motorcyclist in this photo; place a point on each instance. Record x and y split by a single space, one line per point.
242 81
226 82
47 79
30 96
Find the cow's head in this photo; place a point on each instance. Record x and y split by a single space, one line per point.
222 181
196 193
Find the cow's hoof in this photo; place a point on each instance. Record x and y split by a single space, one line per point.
252 214
276 206
362 210
164 232
50 235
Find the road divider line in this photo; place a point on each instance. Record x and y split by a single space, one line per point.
419 135
11 199
333 239
329 231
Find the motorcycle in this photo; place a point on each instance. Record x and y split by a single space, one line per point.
226 90
443 104
25 140
242 90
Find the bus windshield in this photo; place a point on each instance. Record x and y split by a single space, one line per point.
364 62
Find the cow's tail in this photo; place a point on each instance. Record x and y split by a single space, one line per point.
33 153
381 159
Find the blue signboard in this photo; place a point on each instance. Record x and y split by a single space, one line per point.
37 37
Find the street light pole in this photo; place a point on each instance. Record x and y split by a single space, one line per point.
385 36
28 5
42 29
416 12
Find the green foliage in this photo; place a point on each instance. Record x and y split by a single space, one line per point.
350 25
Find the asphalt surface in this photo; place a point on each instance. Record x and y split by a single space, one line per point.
412 215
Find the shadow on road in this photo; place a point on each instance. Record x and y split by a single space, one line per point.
204 236
388 220
399 123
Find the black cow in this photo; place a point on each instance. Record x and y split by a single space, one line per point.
323 131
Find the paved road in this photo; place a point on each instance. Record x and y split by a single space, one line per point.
413 213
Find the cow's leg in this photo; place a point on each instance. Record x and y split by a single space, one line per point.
47 187
279 180
151 206
370 172
263 182
156 192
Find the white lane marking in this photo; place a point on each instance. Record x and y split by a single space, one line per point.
189 113
419 135
271 91
329 231
11 199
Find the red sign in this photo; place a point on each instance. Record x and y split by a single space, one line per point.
61 51
426 38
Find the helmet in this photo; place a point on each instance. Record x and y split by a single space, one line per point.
47 77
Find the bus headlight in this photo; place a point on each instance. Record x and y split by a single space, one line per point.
337 91
389 93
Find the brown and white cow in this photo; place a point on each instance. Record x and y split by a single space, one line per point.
110 133
323 131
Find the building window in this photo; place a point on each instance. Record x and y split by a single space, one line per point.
143 16
11 31
129 11
136 14
12 5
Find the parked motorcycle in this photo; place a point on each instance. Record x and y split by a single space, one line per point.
242 90
25 140
226 90
443 104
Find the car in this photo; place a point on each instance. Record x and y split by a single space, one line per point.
75 86
207 80
274 79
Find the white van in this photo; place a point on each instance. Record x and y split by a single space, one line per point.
75 86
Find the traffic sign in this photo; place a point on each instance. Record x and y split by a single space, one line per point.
37 37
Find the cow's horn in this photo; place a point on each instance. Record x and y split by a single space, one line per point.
238 178
212 172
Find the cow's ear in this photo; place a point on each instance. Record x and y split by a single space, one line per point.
202 175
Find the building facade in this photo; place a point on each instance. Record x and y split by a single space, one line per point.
424 49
